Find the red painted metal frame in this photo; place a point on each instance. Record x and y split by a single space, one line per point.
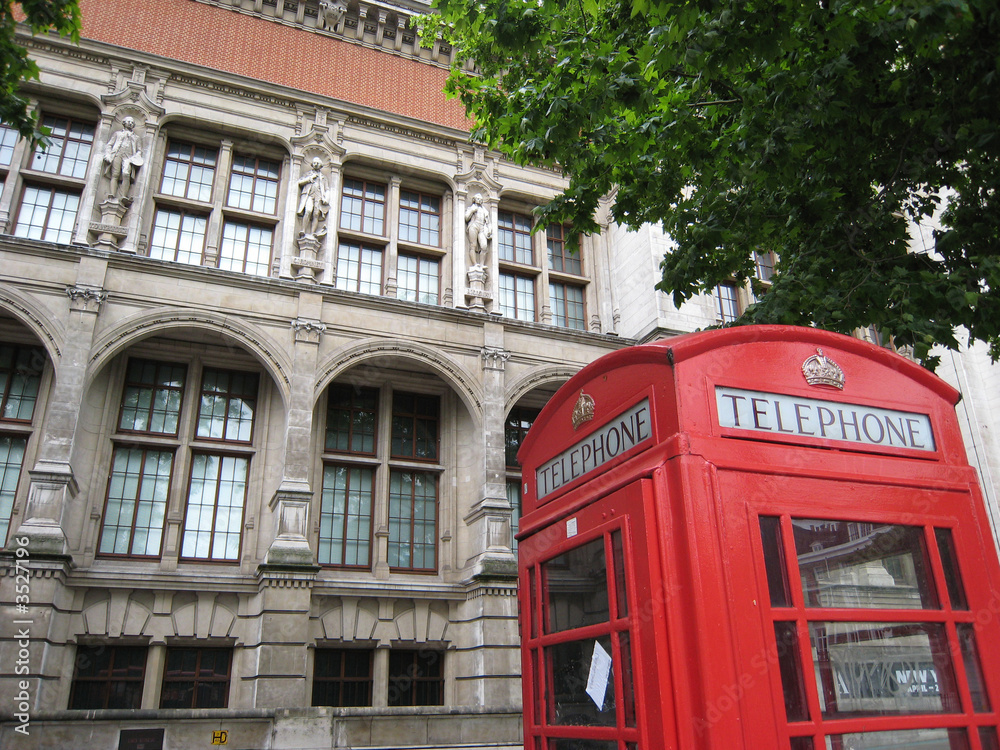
689 501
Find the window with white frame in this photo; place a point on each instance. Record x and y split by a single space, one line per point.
381 467
727 305
54 178
216 206
161 454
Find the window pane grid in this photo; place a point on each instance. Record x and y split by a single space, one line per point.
727 308
346 516
214 519
351 419
420 218
515 238
412 520
151 401
47 214
188 171
416 678
415 426
108 677
178 236
246 248
8 139
253 184
418 279
362 207
561 259
136 505
228 402
196 678
20 375
359 268
69 147
342 677
517 296
11 458
567 306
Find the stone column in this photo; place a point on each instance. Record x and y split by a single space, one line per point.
490 518
52 480
294 496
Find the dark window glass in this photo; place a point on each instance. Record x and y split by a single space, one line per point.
789 664
342 677
416 678
351 419
20 376
196 678
577 587
774 561
973 667
11 458
415 426
560 259
519 421
569 665
108 677
953 580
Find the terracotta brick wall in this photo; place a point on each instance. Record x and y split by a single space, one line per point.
268 51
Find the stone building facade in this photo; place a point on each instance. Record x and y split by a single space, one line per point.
271 329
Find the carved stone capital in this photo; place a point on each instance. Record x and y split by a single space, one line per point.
308 331
494 357
86 298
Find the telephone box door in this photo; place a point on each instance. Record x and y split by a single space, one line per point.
868 601
593 627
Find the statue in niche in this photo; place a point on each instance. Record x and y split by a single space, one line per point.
314 200
478 231
122 159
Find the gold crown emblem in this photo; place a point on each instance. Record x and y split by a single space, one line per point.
821 370
583 411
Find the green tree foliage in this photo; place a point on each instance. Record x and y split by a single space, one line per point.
41 16
820 130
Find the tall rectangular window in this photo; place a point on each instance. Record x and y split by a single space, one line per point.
68 152
213 522
359 268
136 505
246 248
345 516
517 296
189 171
515 238
8 139
560 259
178 236
419 279
362 207
342 677
12 449
727 308
567 306
419 218
415 426
196 678
412 520
253 184
764 262
47 214
108 677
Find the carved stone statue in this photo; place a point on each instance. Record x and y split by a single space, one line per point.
478 231
314 200
122 159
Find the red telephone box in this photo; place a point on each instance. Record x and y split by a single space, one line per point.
758 538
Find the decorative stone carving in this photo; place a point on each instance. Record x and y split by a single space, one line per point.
110 230
478 231
86 298
306 266
332 13
477 295
494 357
307 330
314 200
122 159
